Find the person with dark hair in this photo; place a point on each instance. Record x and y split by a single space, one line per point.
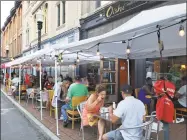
181 94
131 111
62 78
44 79
147 89
93 106
76 89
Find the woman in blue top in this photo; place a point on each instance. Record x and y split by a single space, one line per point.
147 89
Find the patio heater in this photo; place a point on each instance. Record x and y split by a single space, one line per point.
39 18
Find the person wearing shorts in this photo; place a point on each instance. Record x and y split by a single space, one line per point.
131 111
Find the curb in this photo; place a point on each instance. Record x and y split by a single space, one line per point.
44 130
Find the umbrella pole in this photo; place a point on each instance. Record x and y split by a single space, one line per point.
128 71
41 112
56 100
19 83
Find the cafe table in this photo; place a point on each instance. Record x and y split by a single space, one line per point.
105 117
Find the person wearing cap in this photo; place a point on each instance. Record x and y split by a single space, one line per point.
131 111
75 90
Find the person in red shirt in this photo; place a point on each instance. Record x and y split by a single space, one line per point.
27 79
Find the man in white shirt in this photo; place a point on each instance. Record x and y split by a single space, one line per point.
181 94
131 111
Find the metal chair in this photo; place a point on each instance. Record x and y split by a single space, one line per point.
158 123
147 126
80 108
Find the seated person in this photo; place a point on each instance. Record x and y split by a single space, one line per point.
147 89
14 83
62 89
131 111
75 90
93 106
181 94
49 83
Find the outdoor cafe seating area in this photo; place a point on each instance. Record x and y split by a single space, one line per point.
97 50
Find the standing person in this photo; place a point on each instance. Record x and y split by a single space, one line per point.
147 89
165 108
181 94
131 111
75 90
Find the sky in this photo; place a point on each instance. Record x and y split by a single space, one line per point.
6 6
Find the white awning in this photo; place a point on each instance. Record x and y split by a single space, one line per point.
142 47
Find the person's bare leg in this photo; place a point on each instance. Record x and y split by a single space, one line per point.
101 128
104 137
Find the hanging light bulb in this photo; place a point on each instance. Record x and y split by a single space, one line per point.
98 53
77 58
181 30
50 56
62 60
128 51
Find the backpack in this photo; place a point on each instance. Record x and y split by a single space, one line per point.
165 107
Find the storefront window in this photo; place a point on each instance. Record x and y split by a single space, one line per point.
172 67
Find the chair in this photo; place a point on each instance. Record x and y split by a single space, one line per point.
74 114
51 109
23 92
80 109
137 90
180 112
156 125
147 126
29 97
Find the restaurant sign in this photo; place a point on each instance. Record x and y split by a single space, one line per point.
116 9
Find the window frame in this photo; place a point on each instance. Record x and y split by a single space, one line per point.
58 15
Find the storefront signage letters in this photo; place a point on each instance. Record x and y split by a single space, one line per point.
115 9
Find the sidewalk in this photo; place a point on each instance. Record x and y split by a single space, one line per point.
50 123
177 131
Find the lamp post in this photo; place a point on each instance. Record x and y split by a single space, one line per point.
39 19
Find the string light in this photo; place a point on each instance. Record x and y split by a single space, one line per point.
50 56
181 30
44 57
128 51
77 57
98 53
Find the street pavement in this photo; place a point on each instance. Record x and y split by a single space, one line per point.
14 126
